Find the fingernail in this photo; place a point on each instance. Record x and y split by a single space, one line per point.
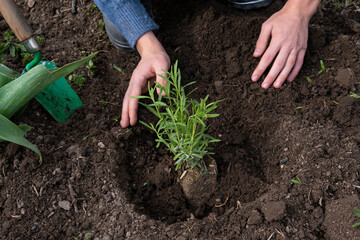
255 78
290 79
257 51
266 85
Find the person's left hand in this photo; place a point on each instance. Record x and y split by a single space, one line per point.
288 30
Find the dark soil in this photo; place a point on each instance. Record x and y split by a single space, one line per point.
99 181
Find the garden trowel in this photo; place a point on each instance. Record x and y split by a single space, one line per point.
59 99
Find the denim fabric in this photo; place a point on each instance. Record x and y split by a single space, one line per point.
129 17
116 37
249 4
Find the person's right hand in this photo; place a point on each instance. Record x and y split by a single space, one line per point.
154 61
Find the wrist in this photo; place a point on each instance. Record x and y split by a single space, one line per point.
304 8
148 44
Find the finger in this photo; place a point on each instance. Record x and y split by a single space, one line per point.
266 60
125 119
161 81
298 65
133 103
276 68
145 87
263 40
287 69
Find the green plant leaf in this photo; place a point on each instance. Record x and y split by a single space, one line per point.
160 104
145 124
15 134
7 75
150 109
141 97
12 50
357 212
212 115
25 127
354 95
88 235
356 225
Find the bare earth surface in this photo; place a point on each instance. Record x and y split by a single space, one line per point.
99 181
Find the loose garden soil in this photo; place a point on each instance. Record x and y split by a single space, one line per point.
98 181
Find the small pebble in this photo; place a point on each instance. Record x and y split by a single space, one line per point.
65 205
101 145
31 3
39 139
167 169
20 203
107 237
150 143
218 86
283 161
255 218
34 227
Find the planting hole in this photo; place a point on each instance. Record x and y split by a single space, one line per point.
147 174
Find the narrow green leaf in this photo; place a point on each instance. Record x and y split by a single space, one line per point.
191 92
178 155
12 51
212 115
141 97
197 155
190 83
357 212
160 104
7 75
177 166
356 225
145 124
12 133
25 128
119 69
180 124
150 109
193 164
208 136
354 95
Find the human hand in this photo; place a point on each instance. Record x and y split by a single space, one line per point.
288 30
154 61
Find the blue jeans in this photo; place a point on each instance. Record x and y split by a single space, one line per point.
116 37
